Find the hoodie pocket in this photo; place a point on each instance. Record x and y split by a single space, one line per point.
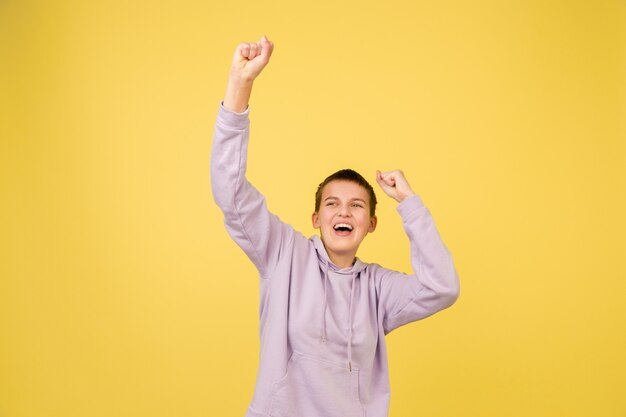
313 387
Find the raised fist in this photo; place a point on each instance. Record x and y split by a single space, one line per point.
250 59
394 184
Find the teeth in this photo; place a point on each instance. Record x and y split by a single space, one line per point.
347 226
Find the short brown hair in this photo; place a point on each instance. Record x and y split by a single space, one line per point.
347 175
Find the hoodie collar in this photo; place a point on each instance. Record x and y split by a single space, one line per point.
325 261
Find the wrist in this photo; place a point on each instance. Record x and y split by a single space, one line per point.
405 196
237 94
240 81
237 78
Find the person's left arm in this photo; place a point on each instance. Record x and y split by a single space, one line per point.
434 284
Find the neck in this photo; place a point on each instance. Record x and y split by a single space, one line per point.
342 260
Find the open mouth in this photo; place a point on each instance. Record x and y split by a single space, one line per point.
343 229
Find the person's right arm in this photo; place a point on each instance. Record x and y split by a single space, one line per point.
258 232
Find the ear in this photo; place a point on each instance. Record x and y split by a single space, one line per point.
315 220
373 223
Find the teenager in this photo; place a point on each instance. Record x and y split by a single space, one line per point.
324 313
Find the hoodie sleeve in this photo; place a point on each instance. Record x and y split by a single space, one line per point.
434 284
257 231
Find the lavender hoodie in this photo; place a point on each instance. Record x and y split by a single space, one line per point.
323 328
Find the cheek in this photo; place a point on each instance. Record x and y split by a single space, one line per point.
322 219
326 214
367 223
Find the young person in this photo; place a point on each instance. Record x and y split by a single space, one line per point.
324 313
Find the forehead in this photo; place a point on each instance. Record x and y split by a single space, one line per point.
345 190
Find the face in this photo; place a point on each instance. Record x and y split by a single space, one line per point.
343 217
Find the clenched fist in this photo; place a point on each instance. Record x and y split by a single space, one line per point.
394 184
250 59
248 62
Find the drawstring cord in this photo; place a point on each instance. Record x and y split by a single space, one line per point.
324 338
325 305
350 323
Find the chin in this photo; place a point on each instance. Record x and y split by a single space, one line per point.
342 247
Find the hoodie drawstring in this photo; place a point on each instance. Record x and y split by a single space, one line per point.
325 305
350 323
323 338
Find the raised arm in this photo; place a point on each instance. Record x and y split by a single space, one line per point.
248 221
434 284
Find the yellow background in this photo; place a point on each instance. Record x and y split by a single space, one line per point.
120 291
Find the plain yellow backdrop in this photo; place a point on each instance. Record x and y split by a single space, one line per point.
120 291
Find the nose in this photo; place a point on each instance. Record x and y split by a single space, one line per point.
344 210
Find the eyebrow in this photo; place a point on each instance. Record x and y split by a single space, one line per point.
337 198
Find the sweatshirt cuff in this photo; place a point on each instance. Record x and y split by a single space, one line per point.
410 205
231 118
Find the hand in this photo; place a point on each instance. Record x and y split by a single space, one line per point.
394 185
250 59
248 62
